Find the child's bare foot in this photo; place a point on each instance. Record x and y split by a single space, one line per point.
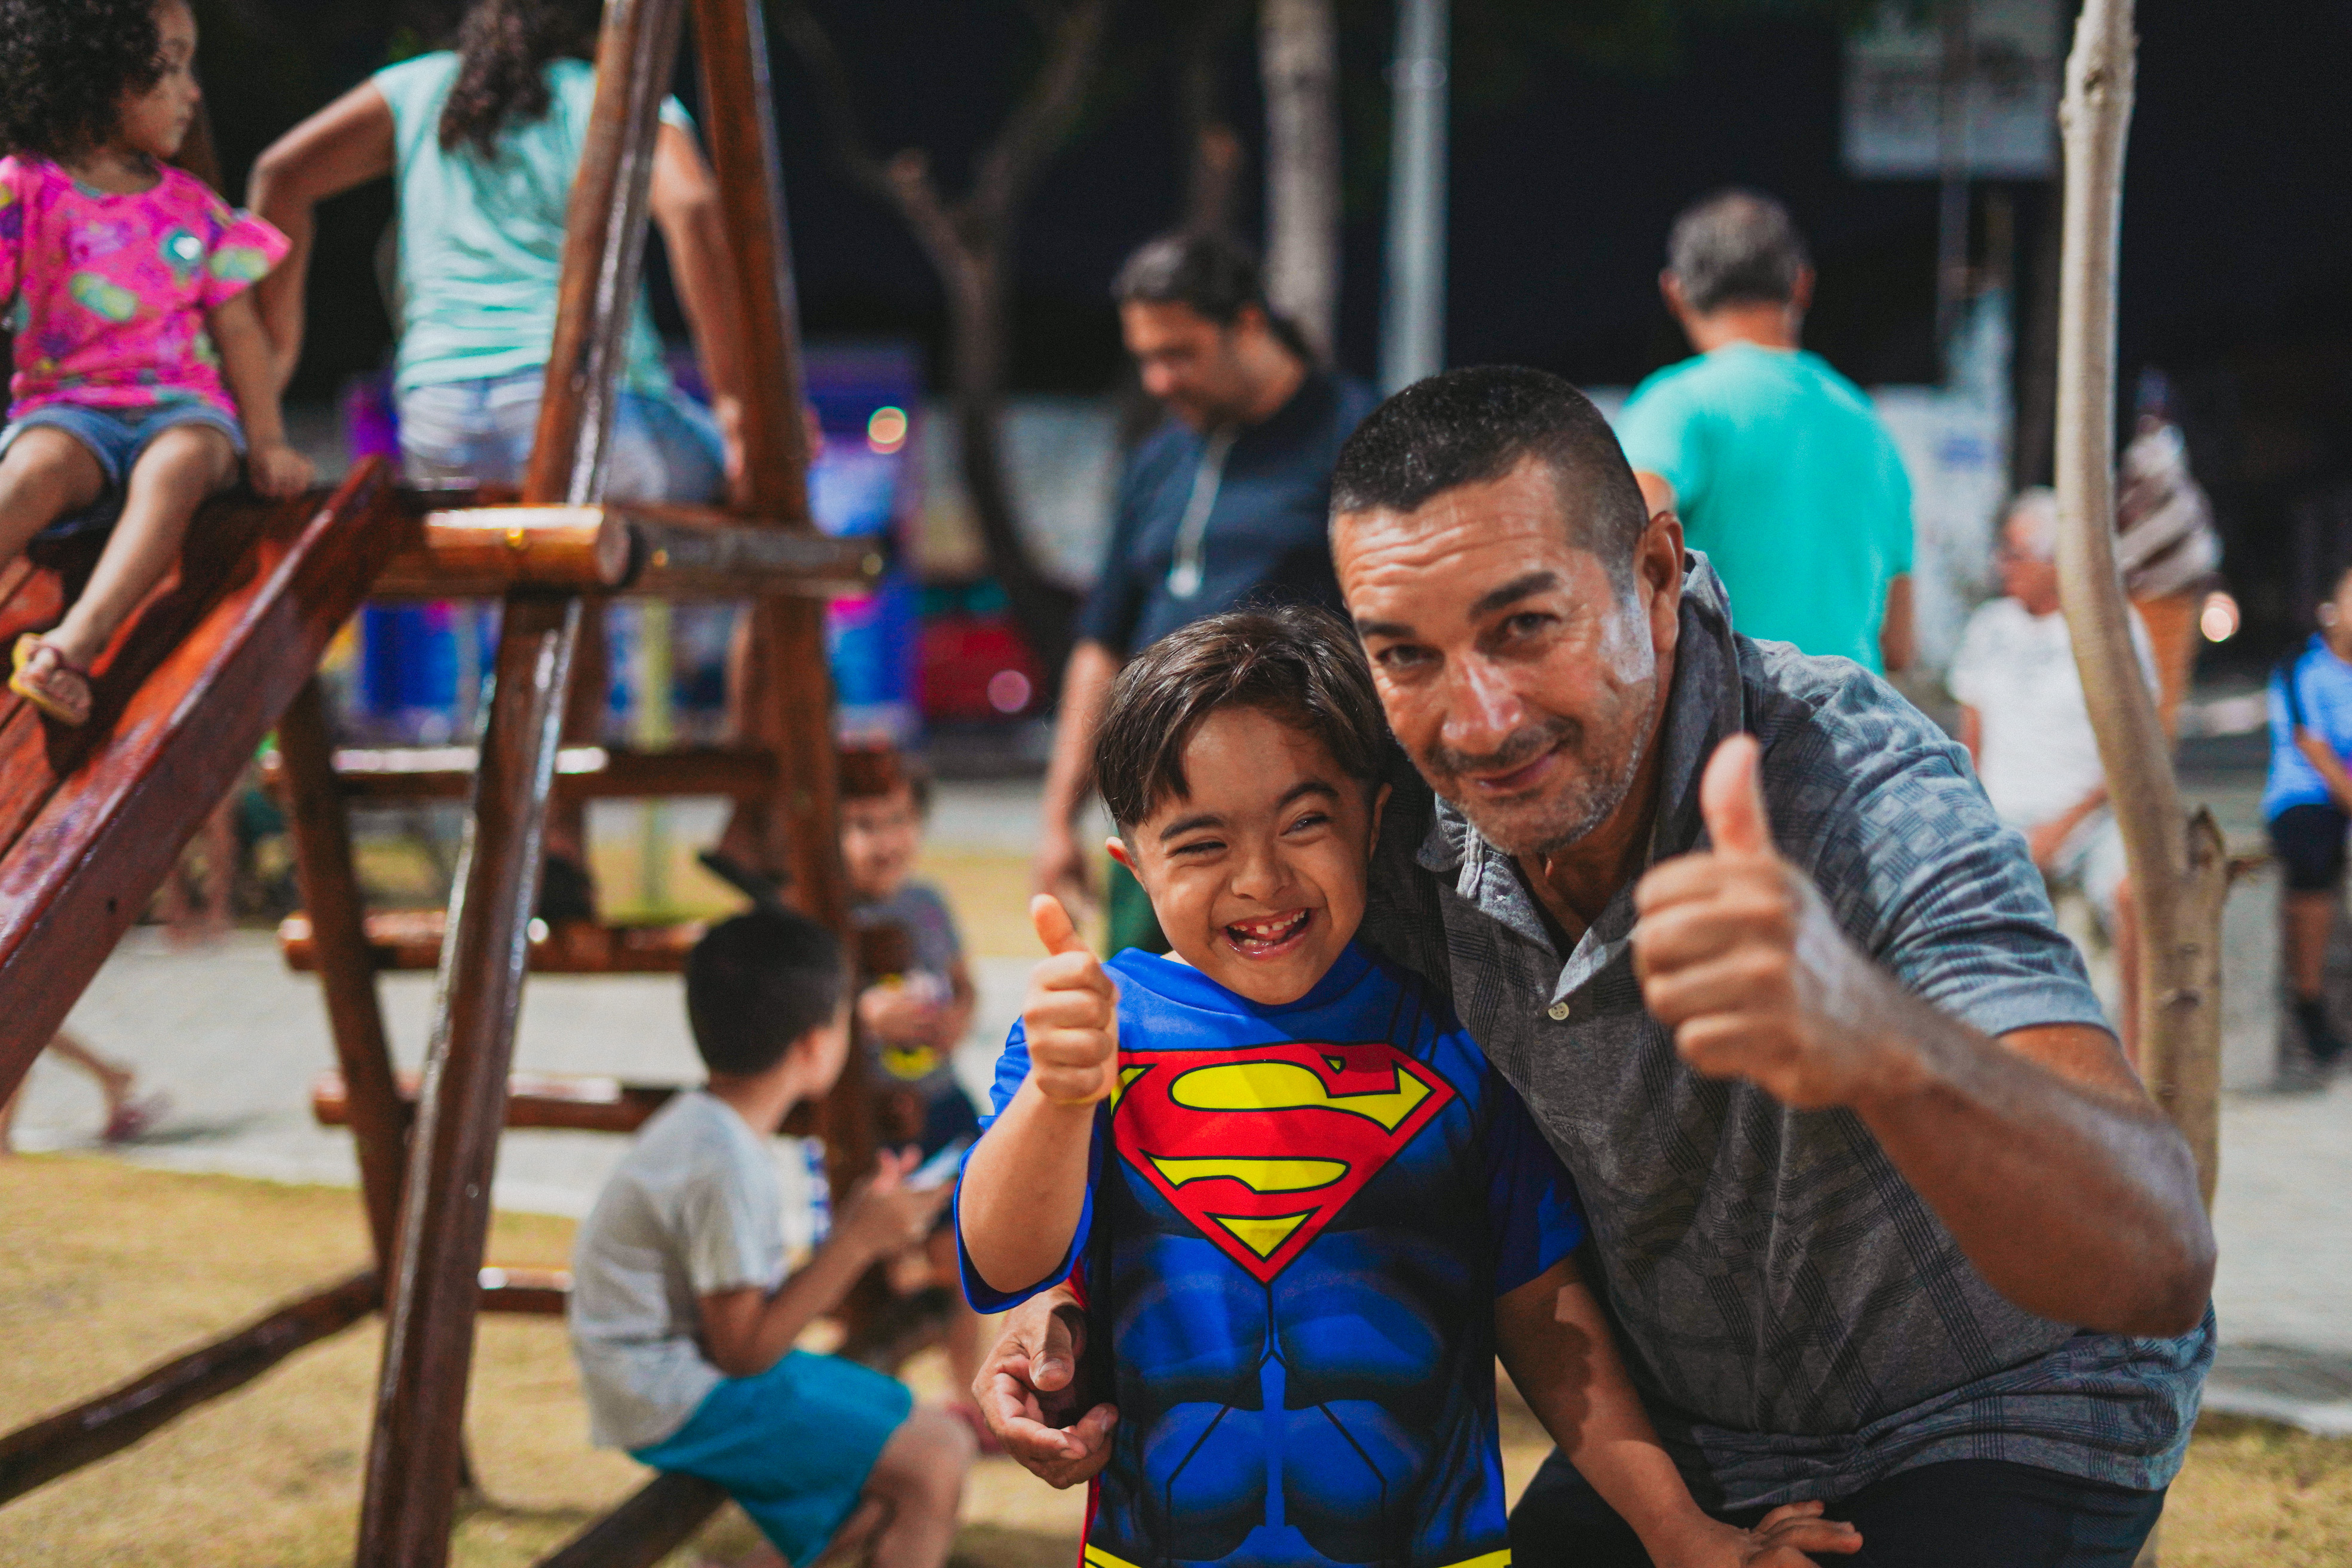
43 677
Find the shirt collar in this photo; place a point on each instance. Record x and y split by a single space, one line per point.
1708 704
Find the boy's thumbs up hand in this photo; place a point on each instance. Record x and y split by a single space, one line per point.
1071 1015
1738 955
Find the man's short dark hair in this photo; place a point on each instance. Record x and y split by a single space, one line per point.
1299 664
1472 426
757 982
1736 248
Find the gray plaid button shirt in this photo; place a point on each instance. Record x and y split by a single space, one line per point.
1799 1322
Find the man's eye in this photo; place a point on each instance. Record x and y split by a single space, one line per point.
1527 624
1403 656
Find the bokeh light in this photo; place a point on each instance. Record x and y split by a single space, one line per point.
2219 620
885 429
1008 692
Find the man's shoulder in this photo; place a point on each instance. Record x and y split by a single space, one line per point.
1832 730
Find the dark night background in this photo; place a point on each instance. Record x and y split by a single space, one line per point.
2237 239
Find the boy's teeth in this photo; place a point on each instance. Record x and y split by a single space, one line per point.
1268 930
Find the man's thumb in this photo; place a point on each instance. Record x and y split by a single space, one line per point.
1053 926
1731 798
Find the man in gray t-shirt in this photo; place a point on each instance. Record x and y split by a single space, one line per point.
1882 1215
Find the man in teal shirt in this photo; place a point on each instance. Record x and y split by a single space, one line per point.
1776 463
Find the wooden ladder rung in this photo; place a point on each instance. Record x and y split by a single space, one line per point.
582 773
581 1102
411 939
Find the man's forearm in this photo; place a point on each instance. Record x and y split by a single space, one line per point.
1086 684
2064 1185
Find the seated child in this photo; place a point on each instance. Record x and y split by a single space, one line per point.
133 326
683 1318
912 1020
1305 1211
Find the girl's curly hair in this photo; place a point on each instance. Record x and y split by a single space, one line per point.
65 66
503 50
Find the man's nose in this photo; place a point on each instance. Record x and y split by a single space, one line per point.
1486 709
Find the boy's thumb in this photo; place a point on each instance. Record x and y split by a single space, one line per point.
1053 926
1731 799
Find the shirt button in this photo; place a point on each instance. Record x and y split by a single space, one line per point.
1559 1012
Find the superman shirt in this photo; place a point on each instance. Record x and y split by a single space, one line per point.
1297 1222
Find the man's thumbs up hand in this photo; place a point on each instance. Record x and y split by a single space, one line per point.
1738 955
1731 799
1070 1019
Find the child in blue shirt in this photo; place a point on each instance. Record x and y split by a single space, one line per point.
1306 1211
2308 805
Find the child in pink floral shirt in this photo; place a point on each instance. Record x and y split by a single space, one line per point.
137 344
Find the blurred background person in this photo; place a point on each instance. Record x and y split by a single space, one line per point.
1226 502
2165 544
2028 728
1777 464
912 1017
128 1114
482 143
2308 805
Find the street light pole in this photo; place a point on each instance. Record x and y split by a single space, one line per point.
1412 329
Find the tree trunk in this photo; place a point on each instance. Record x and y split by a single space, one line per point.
2178 868
1298 61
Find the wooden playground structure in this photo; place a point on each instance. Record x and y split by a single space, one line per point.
91 821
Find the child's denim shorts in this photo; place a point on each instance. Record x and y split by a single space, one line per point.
116 437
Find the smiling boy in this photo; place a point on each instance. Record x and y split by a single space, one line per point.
1308 1213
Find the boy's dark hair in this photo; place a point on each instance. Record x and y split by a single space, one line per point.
872 772
65 66
504 47
759 982
1302 665
1472 426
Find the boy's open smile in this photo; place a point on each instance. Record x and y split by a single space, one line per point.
1270 937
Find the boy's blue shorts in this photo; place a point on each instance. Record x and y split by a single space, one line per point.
792 1446
116 437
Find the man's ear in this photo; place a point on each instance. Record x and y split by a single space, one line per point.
1670 288
1658 566
1801 293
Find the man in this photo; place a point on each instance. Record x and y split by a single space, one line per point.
2028 729
1779 468
1881 1214
1226 501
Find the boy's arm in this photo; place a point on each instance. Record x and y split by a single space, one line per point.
1556 1344
746 1331
274 468
1024 1187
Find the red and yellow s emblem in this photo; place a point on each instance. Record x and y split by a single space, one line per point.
1261 1147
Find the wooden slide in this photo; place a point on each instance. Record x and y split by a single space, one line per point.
92 820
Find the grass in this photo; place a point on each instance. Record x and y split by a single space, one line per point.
106 1269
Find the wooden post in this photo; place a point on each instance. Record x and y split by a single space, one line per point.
786 708
330 894
414 1457
2180 872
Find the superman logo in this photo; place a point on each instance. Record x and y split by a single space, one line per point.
1261 1147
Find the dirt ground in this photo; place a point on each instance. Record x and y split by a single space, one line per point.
105 1268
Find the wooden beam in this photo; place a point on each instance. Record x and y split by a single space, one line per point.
375 1111
640 549
539 1292
97 817
583 1103
60 1443
414 1455
657 1519
412 940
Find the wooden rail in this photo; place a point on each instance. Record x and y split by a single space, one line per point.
60 1443
636 548
576 1103
411 939
391 774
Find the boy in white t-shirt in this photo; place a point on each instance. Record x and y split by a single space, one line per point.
682 1317
2028 729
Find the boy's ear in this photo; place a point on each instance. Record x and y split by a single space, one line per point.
1120 853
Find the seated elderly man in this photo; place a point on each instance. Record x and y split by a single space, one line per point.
1882 1216
2025 724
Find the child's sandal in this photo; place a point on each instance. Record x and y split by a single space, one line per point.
63 693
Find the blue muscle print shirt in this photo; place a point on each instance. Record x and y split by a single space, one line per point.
1297 1225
